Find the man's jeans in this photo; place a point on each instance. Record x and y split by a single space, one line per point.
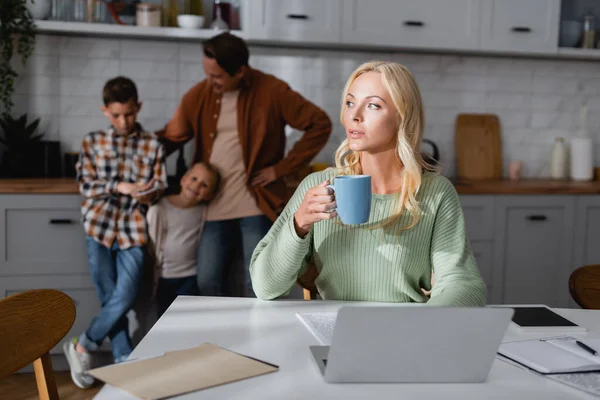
221 241
116 274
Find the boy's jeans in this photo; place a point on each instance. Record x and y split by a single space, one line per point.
116 274
219 243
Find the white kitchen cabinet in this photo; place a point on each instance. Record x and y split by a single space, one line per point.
586 246
41 234
432 24
533 249
310 21
483 252
42 246
529 26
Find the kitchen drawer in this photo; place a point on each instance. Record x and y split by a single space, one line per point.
412 24
520 25
314 21
483 256
478 212
41 235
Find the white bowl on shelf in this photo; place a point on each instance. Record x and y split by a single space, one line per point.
190 21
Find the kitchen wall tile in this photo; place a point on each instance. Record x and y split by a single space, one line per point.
36 65
191 72
90 87
184 87
150 70
37 105
79 67
589 87
417 63
553 120
513 118
74 128
455 100
495 101
509 67
89 47
153 124
458 82
47 44
547 102
509 84
158 109
450 64
191 53
81 105
157 90
550 84
37 85
149 50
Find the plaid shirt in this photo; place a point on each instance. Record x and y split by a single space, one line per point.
105 160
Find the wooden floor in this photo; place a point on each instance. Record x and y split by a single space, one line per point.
23 387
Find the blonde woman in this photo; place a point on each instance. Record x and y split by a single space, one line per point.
416 226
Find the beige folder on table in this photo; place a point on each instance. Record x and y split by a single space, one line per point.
181 371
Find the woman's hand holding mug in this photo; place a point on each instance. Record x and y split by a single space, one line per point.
316 206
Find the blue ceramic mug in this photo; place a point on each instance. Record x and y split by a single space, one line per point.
353 197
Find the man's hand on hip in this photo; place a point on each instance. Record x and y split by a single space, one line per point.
263 177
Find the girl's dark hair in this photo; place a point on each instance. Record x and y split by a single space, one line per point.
230 52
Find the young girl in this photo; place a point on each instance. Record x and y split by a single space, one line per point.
416 225
174 226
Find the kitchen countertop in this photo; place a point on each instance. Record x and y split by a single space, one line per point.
39 186
526 186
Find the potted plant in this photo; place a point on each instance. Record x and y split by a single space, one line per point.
17 33
18 138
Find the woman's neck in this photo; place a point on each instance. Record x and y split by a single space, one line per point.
384 169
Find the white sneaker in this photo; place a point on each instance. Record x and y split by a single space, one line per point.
79 363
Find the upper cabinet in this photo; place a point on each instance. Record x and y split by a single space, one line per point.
430 24
520 25
316 21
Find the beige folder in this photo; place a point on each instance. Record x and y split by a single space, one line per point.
181 372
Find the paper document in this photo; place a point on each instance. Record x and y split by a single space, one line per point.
182 371
320 324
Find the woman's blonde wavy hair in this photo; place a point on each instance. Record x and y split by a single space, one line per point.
406 96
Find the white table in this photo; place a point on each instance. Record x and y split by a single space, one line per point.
270 331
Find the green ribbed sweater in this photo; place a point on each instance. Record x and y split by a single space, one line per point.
358 264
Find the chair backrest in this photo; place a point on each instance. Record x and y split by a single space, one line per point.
307 281
31 324
584 285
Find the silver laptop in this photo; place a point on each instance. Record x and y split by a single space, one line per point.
417 344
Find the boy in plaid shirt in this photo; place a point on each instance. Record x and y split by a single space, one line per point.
115 168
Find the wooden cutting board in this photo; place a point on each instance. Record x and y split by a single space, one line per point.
478 147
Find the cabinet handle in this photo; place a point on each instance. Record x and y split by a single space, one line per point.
536 217
521 29
414 23
297 16
59 221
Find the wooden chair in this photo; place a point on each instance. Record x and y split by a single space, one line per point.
307 281
31 324
584 285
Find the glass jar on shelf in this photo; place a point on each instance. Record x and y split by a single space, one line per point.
589 32
221 16
191 7
148 14
170 11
